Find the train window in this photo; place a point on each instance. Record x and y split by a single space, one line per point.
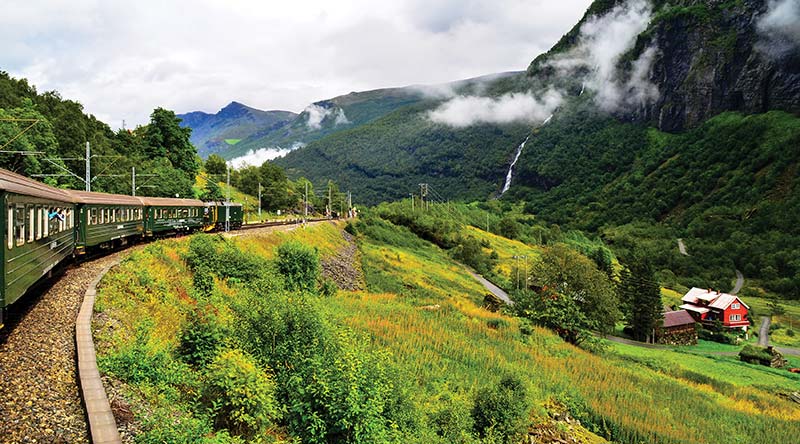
45 222
19 225
40 222
52 220
93 216
39 225
112 215
10 227
60 219
70 218
30 222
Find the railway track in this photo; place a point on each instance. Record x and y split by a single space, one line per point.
41 400
280 223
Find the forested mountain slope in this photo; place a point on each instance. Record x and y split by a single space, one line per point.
214 133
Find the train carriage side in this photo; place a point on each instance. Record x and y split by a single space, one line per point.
165 216
216 215
38 234
107 219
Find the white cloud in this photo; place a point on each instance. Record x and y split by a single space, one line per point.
601 43
261 155
780 27
464 111
123 59
316 114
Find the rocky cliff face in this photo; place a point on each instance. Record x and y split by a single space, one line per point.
711 56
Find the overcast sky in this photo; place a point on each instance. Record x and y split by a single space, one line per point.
122 59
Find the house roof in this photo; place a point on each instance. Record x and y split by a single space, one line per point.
675 318
711 298
695 308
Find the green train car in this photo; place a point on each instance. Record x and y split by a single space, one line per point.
215 214
38 234
107 220
164 215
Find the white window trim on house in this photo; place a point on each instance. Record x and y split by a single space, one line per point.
735 306
734 318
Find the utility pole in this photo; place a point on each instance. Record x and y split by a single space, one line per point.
259 201
133 174
228 203
88 167
330 201
423 193
412 202
305 202
487 222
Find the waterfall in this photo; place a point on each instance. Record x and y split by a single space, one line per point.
507 185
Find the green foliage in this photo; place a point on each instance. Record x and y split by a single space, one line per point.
726 187
509 228
212 192
334 389
501 411
240 395
753 353
469 251
213 254
140 362
158 149
166 138
216 166
642 295
299 265
201 337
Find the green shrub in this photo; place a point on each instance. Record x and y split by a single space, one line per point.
299 264
328 288
201 338
239 394
334 387
203 280
453 421
501 411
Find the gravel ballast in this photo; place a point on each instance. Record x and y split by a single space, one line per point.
39 394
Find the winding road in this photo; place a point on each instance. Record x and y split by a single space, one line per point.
739 282
497 291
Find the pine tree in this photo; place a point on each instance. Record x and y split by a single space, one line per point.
639 289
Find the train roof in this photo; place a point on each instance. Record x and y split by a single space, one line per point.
90 197
16 183
222 203
171 202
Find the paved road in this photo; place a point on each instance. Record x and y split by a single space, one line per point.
763 333
497 291
739 282
682 247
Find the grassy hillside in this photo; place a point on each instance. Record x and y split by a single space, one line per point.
404 361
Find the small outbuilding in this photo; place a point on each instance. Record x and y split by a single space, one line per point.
678 328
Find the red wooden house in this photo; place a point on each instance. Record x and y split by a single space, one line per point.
708 306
